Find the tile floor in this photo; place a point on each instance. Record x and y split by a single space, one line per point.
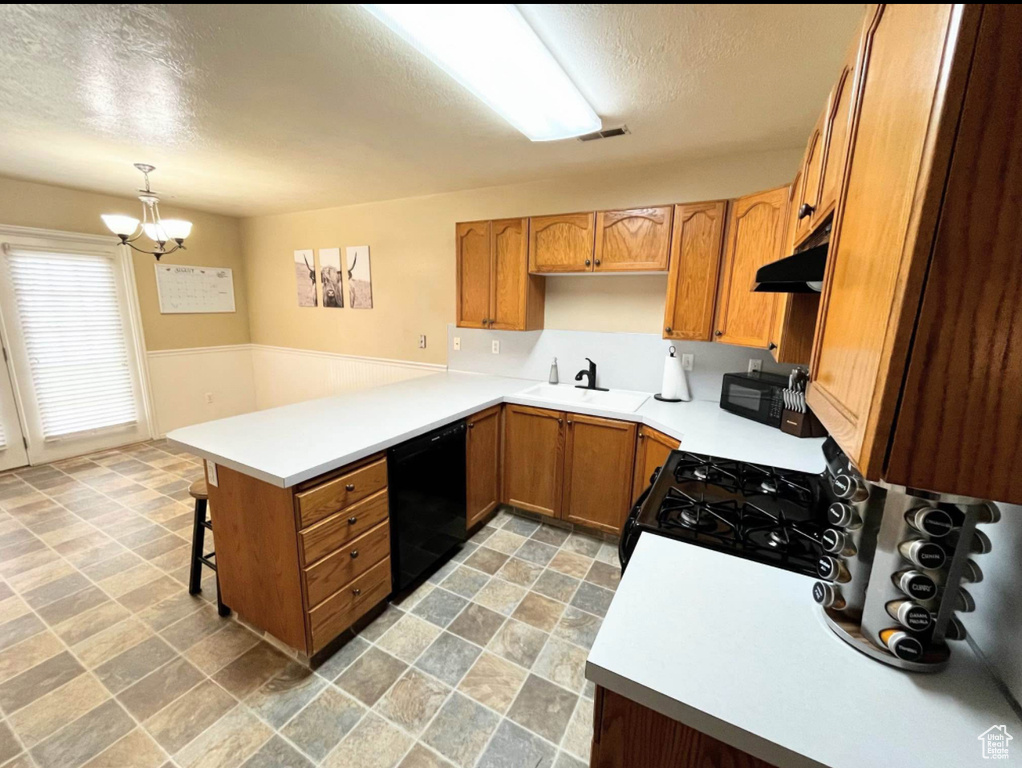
107 662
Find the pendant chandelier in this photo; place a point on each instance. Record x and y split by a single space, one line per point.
159 231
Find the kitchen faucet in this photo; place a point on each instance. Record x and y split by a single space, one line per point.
590 377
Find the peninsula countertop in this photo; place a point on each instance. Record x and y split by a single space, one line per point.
287 445
738 650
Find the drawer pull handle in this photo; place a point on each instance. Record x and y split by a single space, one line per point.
352 520
356 591
349 487
354 554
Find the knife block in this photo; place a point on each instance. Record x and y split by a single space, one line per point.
802 424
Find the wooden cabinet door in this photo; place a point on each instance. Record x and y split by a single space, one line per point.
473 252
533 459
695 268
598 459
839 114
871 293
562 243
517 300
482 463
754 234
635 240
651 451
791 340
812 178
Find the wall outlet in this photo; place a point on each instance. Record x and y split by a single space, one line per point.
495 347
755 365
457 343
686 362
209 398
422 341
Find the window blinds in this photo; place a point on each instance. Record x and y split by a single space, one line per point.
74 335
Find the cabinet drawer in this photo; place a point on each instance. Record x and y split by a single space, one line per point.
334 495
342 609
332 532
347 563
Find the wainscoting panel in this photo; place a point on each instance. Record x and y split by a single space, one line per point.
285 375
183 380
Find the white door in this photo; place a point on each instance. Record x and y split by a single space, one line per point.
12 441
74 343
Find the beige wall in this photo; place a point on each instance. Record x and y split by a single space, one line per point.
413 265
215 241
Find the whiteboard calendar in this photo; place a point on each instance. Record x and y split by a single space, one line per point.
193 290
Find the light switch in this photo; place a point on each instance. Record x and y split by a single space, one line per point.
209 398
422 341
495 346
686 362
755 365
457 343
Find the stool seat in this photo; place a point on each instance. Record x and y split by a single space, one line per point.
197 490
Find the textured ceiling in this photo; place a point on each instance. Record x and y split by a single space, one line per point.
253 109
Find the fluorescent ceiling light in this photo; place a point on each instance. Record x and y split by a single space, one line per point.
492 51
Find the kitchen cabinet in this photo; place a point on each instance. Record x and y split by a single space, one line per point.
651 451
755 231
812 180
634 240
495 289
598 459
562 243
836 137
917 360
626 733
791 339
533 459
482 463
696 246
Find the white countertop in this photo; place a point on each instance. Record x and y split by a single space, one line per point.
284 446
739 650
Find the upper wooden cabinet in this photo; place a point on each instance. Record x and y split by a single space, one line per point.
533 459
495 289
918 358
597 493
754 235
695 267
482 464
634 240
791 338
812 179
562 243
839 114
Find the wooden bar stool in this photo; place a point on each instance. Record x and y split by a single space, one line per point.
197 490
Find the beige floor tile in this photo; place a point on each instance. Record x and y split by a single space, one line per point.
505 541
539 611
374 743
133 578
84 738
493 681
543 708
12 608
579 737
420 757
115 639
500 596
159 688
562 663
413 700
32 684
371 675
408 638
137 750
218 650
250 670
518 642
187 717
319 727
571 563
57 708
227 743
461 729
28 653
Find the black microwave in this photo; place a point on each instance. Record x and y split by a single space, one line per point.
757 396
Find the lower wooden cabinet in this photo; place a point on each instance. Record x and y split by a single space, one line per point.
651 451
627 734
482 465
598 457
533 459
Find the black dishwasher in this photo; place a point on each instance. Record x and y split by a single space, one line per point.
426 483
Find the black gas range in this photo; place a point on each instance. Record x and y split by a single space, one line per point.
774 516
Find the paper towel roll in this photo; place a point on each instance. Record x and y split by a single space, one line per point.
675 385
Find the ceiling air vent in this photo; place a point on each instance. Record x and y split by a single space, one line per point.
608 133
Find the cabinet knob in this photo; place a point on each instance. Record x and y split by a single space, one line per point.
352 520
718 333
805 210
641 436
588 262
471 425
356 591
569 422
668 329
354 554
560 421
349 487
772 346
597 262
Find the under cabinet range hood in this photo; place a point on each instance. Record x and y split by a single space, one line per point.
801 272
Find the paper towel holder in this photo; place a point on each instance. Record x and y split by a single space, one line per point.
671 350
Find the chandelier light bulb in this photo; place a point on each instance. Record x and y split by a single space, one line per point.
120 225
